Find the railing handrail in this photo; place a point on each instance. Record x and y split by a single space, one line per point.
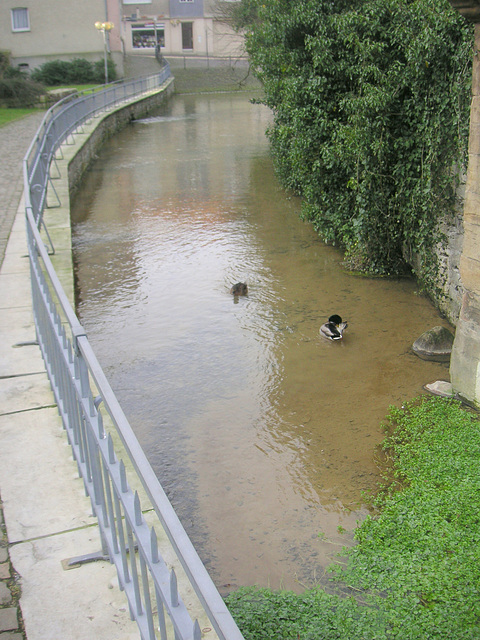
74 373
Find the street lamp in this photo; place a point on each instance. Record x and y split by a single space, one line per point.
104 27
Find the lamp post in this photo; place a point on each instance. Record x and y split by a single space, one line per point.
105 27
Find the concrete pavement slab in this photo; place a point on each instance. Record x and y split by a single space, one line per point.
16 328
15 264
21 360
25 392
17 239
78 604
15 291
16 259
41 491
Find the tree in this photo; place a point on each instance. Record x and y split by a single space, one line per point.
370 101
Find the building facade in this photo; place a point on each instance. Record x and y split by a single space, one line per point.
180 27
35 32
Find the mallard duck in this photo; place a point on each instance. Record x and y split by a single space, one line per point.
239 289
334 328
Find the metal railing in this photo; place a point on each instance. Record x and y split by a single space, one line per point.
96 426
67 116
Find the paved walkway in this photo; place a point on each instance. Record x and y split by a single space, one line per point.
45 517
15 139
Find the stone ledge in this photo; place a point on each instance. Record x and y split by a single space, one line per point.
55 95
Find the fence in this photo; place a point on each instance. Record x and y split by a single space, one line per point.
94 422
206 62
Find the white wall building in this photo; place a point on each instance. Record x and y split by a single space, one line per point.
180 27
35 32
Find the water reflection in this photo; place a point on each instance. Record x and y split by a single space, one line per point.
262 433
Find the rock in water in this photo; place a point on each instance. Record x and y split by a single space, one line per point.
435 344
441 388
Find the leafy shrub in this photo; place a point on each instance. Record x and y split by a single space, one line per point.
371 102
77 71
16 88
99 71
20 92
14 72
4 62
81 71
52 73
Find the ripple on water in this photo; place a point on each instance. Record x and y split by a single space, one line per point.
262 433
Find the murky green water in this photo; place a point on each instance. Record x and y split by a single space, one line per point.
262 433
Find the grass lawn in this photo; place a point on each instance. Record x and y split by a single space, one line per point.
8 115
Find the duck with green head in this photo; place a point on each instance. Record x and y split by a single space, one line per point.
333 329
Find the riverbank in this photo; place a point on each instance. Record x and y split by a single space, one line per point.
415 570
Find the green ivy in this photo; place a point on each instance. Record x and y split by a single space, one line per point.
371 107
415 571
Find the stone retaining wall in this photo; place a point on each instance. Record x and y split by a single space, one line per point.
448 292
465 360
108 126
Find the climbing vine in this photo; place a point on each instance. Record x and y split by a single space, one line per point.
371 106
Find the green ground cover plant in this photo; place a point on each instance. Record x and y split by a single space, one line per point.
414 573
9 115
371 108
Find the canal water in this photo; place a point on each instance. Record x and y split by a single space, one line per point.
263 434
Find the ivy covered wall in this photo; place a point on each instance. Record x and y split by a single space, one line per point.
371 109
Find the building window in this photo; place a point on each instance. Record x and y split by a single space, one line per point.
187 35
148 35
20 20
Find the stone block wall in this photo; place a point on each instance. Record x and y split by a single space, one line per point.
109 125
465 360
